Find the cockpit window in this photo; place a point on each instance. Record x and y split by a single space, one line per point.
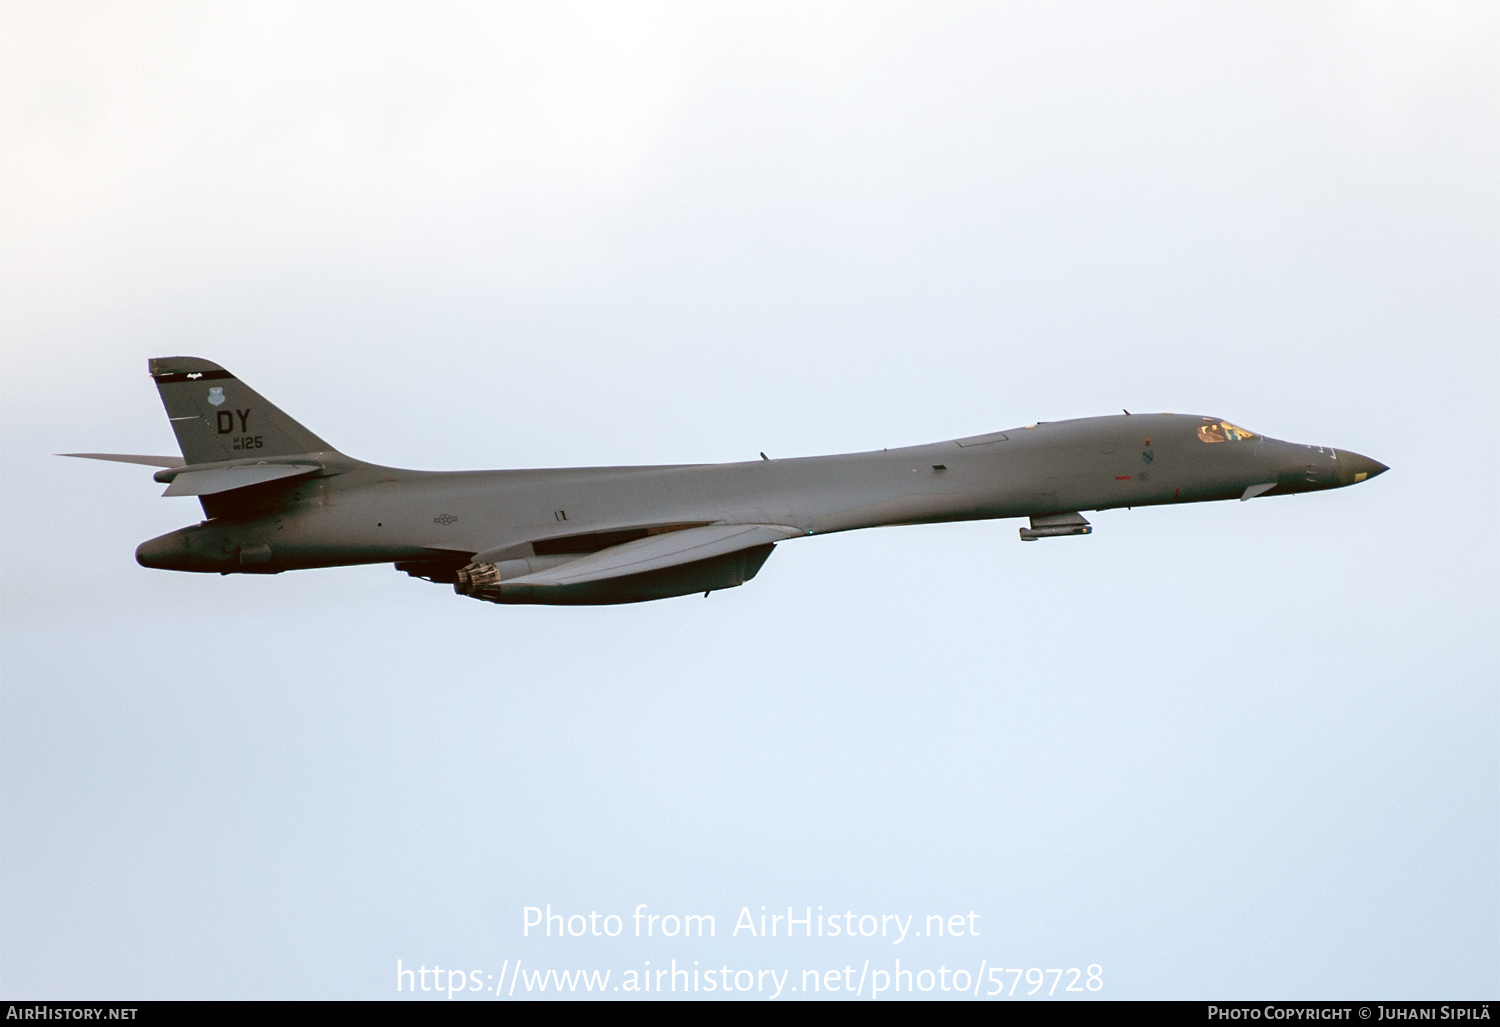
1222 431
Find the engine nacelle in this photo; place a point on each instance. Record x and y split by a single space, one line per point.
481 579
492 582
475 578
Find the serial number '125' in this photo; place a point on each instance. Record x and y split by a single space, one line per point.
247 442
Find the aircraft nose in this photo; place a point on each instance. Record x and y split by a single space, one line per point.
1353 467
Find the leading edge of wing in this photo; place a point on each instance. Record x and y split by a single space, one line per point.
659 552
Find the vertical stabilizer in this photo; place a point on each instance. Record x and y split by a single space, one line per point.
218 417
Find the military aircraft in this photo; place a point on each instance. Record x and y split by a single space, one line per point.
279 498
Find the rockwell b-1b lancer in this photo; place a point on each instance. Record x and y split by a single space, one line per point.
279 498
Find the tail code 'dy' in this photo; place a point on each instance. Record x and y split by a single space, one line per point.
218 417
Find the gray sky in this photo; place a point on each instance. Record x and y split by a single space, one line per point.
1229 750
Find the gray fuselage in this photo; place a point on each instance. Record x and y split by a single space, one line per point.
356 513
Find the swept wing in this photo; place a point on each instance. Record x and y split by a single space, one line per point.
660 552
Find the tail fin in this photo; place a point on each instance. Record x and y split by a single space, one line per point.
218 417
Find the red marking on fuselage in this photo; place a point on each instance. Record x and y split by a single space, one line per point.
1122 477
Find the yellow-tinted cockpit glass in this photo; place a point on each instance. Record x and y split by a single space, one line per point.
1222 431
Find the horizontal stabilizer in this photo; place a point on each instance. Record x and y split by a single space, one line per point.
131 458
222 479
659 552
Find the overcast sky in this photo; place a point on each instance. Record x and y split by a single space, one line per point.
1229 750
